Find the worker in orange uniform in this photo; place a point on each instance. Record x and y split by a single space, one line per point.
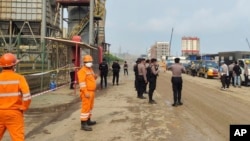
15 98
87 83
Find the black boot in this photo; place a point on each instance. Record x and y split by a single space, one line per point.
84 126
89 122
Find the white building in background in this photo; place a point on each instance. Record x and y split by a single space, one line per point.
190 46
160 50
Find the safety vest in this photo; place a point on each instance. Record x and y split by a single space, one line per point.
14 91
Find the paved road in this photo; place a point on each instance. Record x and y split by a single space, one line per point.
206 114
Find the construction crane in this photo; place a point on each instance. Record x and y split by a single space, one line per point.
248 43
170 41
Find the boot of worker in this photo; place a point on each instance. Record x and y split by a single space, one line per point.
84 126
89 122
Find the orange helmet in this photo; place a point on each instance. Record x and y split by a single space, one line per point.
87 58
8 60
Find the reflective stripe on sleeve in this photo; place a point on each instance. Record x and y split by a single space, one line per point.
26 97
9 82
9 94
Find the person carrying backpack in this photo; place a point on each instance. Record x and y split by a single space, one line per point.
152 73
237 72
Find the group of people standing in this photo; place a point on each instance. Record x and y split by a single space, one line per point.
104 69
230 74
146 74
147 71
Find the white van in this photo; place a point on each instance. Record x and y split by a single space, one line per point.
242 64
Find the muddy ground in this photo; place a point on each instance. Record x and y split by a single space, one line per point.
206 114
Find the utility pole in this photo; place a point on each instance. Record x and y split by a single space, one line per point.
248 43
170 41
91 22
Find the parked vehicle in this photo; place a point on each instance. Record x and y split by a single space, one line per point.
208 69
188 67
242 64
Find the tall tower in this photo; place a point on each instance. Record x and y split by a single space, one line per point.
190 46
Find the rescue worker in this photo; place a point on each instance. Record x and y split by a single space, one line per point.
152 73
15 98
103 67
177 69
246 73
142 78
87 82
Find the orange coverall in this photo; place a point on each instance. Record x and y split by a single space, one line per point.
87 83
15 98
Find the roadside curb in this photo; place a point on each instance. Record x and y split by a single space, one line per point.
54 108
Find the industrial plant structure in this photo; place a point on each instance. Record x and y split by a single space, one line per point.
190 46
33 30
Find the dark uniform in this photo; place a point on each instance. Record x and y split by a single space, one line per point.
146 65
103 67
116 70
152 73
72 74
136 73
177 69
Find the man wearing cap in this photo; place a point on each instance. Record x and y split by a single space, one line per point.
224 75
177 69
15 98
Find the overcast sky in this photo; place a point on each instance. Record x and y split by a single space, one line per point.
133 26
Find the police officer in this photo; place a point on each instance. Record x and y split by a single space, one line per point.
103 67
152 73
224 75
72 74
142 78
230 69
177 69
116 70
135 68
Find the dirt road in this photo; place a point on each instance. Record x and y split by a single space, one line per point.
206 114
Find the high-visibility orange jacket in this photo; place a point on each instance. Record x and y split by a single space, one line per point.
14 91
86 79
